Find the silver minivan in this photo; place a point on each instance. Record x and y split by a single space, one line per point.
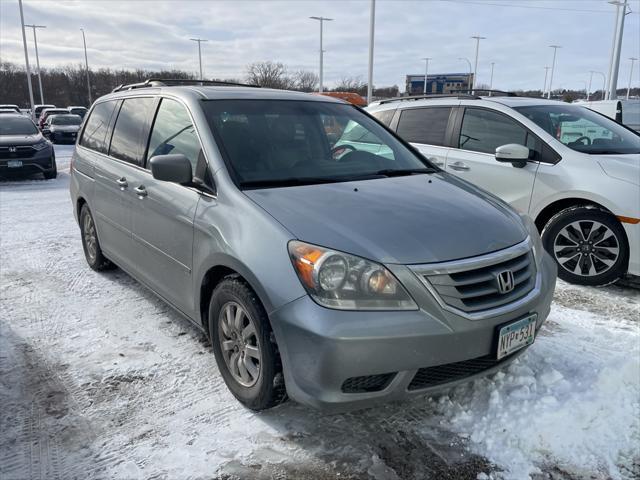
338 271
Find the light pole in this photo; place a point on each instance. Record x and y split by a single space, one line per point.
469 63
475 68
86 64
617 47
199 40
35 41
604 82
426 74
322 20
633 60
553 67
26 60
544 89
491 79
590 80
372 24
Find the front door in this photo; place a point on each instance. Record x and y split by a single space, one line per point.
481 132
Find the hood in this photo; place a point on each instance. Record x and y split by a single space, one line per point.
64 128
405 220
16 140
622 167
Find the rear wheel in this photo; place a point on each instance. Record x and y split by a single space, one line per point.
244 346
90 243
588 245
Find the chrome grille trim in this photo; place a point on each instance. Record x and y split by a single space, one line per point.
436 277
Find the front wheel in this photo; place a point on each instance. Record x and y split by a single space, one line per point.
588 245
53 173
244 346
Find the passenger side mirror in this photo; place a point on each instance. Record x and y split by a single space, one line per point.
518 155
174 168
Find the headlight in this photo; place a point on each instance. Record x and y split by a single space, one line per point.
346 282
41 145
536 242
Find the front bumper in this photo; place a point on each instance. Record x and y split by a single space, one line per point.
322 348
40 161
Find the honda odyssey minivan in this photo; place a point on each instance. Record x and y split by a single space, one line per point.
336 274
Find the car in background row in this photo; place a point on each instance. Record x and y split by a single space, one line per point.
50 111
37 110
7 110
78 110
62 128
11 107
626 112
574 171
23 149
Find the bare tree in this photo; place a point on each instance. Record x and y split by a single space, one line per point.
351 84
305 80
270 75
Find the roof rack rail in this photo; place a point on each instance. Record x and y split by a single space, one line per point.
431 96
500 92
165 82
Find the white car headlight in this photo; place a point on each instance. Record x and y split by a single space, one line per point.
345 282
40 145
536 241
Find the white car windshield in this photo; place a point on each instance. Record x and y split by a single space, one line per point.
583 130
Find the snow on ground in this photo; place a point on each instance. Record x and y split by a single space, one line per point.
99 379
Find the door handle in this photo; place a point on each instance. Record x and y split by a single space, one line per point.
122 182
140 191
460 166
436 161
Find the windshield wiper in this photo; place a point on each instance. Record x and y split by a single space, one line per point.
287 182
399 172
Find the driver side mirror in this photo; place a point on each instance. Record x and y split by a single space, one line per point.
518 155
174 168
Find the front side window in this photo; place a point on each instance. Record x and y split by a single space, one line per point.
484 131
583 130
95 130
131 131
17 126
424 125
267 142
173 133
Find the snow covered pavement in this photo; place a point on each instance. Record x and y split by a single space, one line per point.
99 379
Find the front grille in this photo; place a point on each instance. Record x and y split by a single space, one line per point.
368 383
475 288
22 151
450 372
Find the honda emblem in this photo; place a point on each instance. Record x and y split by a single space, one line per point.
12 149
505 281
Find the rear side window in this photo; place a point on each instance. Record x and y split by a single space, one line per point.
173 132
484 131
95 130
130 135
424 125
385 116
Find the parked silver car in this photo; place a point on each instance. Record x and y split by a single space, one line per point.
319 269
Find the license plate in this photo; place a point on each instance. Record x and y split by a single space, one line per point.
516 335
14 163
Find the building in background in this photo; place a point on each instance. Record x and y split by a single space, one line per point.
439 83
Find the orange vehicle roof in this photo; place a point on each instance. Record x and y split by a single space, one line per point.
350 97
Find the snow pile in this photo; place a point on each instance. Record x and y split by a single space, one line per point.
571 401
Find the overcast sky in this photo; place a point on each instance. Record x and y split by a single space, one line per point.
155 34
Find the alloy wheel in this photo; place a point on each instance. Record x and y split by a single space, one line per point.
90 239
586 247
239 342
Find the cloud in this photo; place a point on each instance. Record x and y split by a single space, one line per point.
155 34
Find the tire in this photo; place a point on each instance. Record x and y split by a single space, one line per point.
256 380
92 251
53 173
588 244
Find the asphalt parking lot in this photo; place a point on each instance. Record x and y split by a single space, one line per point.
100 379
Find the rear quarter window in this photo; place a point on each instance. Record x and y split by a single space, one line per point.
424 125
95 130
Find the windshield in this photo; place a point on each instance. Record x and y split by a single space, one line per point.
582 129
66 120
277 143
17 126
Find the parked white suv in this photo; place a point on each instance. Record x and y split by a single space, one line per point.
574 171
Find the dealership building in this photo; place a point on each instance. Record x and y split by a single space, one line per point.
439 83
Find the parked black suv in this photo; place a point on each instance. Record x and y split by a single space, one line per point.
23 149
